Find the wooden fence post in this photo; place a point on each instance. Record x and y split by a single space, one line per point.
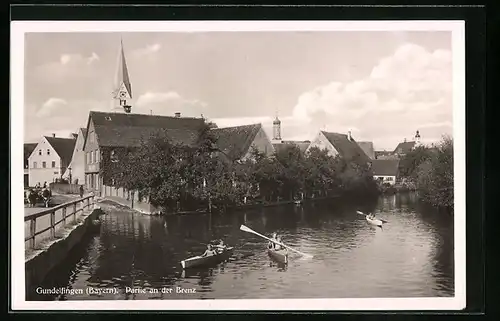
64 215
52 224
32 232
74 212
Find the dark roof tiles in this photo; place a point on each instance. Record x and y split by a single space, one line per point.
385 167
63 147
235 142
348 149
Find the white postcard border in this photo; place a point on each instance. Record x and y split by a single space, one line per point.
18 30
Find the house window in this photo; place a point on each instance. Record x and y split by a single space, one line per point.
34 164
44 164
53 164
97 156
48 151
40 152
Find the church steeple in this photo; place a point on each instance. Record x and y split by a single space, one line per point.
122 89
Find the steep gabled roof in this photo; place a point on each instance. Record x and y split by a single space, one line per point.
404 147
235 142
348 149
367 147
28 149
63 146
385 167
84 132
127 130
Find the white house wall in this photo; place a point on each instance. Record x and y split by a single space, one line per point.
49 173
322 143
77 161
386 179
262 143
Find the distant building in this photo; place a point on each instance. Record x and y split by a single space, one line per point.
280 144
405 147
340 145
50 159
236 143
385 155
28 149
77 165
385 170
108 133
367 147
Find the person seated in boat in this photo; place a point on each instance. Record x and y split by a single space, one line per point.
276 245
271 245
220 246
209 251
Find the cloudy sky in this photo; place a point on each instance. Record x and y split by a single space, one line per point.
382 85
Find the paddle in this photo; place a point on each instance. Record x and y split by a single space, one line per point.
361 213
247 229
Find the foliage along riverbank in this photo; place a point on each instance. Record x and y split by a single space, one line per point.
188 177
431 170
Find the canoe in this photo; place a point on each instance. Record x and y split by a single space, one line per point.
375 221
280 256
199 260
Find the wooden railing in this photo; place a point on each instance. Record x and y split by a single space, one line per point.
85 203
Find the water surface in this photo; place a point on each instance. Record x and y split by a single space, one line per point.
411 257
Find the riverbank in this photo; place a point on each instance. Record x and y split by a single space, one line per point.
253 205
51 252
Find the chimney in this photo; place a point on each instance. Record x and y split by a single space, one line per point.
53 135
177 115
349 135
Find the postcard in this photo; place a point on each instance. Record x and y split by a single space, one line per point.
242 165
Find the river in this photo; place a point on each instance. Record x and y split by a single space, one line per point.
412 256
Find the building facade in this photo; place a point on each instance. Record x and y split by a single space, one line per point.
50 159
75 173
341 145
385 171
237 143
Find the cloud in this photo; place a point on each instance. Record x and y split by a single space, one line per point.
60 116
51 107
149 49
92 58
404 92
168 103
68 68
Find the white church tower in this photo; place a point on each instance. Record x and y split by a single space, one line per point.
277 130
122 89
417 138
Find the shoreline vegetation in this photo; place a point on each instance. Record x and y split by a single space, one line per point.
430 171
182 177
185 178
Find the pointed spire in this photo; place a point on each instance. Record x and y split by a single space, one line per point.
122 89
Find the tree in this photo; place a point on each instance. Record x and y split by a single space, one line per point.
411 161
435 176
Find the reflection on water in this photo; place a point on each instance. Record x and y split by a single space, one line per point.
411 257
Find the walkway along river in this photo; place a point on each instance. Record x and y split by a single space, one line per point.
411 257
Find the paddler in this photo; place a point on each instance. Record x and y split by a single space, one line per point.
277 246
209 251
272 245
220 247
